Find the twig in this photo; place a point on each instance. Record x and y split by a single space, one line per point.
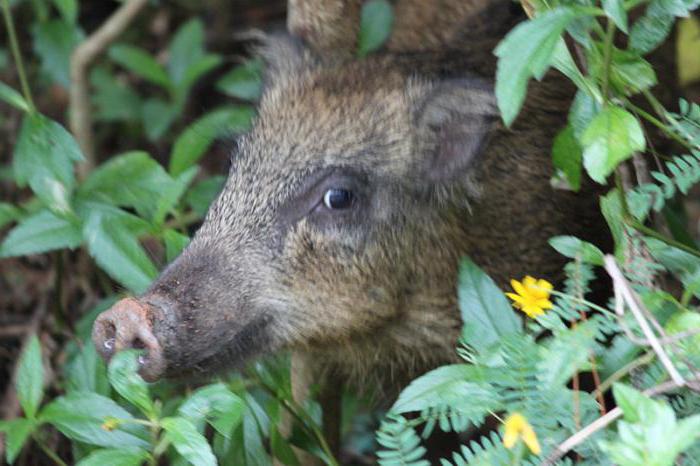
620 283
83 55
603 421
12 35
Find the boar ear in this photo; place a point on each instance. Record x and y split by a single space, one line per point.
454 120
283 55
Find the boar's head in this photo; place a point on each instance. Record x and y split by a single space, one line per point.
344 206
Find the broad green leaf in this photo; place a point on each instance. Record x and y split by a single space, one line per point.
191 145
124 377
30 378
8 213
132 179
281 448
54 41
170 197
139 62
188 60
157 116
243 82
114 457
611 208
484 307
68 9
447 385
113 99
636 406
83 416
583 109
42 232
375 26
44 158
188 442
650 30
629 72
17 431
687 45
612 137
13 97
203 193
86 371
217 405
527 51
615 10
118 252
572 247
174 243
566 157
198 69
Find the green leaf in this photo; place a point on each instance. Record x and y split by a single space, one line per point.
202 194
375 26
157 116
635 406
484 307
86 371
81 416
42 232
17 431
12 97
188 442
217 405
113 99
44 158
583 109
8 213
170 197
447 385
124 377
527 51
244 81
30 378
54 42
615 10
191 145
567 354
629 72
572 247
118 252
174 243
685 321
651 30
281 448
612 137
114 457
132 179
68 9
566 157
139 62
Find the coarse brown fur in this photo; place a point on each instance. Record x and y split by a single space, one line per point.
368 293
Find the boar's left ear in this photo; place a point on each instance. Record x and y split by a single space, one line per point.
453 121
283 55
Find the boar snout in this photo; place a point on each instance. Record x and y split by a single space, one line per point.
128 325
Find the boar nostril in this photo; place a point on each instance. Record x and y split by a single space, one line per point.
137 343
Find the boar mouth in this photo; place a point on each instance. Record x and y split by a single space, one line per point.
224 353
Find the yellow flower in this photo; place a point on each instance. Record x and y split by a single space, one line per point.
516 427
531 296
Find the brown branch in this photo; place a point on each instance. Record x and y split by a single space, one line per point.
603 421
83 55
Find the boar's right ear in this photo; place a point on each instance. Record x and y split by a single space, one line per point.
454 120
283 55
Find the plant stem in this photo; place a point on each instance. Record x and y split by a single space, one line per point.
607 58
659 124
14 45
643 360
50 453
298 412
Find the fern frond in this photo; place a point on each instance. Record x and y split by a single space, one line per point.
490 452
401 443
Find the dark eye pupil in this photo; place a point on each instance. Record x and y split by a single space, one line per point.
337 198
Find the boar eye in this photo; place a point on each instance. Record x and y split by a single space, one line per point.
337 198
